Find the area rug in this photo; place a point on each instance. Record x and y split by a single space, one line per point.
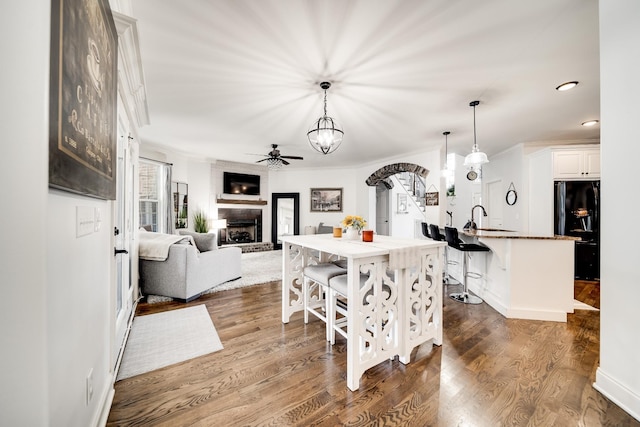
163 339
256 268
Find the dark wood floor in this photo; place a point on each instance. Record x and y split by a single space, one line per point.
489 371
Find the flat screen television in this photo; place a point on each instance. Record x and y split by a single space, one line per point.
240 183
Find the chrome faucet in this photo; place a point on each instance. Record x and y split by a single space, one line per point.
471 225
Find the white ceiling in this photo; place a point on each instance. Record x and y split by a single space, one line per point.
225 79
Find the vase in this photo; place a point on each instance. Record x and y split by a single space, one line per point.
351 233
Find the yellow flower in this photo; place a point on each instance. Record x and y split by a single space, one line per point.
354 221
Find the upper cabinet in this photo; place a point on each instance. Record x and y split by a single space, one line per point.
576 163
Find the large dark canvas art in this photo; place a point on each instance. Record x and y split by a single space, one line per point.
83 98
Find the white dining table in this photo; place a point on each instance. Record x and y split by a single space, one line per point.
398 308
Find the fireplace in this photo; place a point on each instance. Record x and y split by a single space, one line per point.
243 226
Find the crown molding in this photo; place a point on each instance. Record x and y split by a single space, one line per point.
130 72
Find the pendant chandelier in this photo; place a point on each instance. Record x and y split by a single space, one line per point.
325 136
476 157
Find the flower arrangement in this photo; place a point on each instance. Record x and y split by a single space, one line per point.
354 221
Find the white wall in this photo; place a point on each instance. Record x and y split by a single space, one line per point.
78 303
508 168
24 389
460 205
301 181
618 376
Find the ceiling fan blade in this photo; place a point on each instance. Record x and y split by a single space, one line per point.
284 162
258 161
292 157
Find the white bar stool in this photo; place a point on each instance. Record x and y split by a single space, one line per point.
338 289
316 278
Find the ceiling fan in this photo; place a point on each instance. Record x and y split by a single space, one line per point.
274 158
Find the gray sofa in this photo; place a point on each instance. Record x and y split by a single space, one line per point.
188 272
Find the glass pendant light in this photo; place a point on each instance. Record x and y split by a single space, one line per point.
325 135
476 157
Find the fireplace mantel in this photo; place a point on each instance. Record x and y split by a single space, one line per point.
241 202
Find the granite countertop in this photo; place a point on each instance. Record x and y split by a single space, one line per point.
508 234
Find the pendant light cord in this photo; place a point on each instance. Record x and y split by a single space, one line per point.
475 144
325 103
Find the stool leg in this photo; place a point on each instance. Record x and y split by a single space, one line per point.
305 298
331 316
446 279
465 296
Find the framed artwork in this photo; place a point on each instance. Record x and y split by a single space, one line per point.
432 198
83 98
402 204
326 200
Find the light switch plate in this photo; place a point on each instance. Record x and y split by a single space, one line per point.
84 220
98 220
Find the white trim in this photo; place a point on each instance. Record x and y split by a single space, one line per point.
618 393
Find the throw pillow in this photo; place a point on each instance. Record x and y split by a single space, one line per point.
204 241
324 229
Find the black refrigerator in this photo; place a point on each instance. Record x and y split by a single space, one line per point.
577 213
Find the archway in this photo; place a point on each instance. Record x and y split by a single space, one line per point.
382 175
380 179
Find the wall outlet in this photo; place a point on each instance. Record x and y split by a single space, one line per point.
89 386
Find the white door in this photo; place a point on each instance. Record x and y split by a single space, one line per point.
382 210
123 215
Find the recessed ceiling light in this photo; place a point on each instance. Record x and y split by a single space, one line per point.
567 86
590 123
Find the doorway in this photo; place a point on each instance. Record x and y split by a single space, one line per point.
123 215
382 210
285 217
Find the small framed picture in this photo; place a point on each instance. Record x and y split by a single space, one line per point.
326 200
432 198
403 207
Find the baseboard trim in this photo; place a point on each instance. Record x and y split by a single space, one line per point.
100 417
626 399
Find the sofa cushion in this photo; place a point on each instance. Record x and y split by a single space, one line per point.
204 241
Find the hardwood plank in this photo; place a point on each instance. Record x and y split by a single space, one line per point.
489 371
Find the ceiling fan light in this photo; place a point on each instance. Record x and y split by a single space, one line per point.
274 164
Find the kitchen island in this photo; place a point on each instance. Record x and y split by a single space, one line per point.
398 308
525 276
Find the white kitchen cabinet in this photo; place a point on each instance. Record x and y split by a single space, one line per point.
576 164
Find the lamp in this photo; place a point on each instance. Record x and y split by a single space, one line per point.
476 157
216 224
325 136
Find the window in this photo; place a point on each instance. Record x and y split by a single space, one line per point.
154 178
